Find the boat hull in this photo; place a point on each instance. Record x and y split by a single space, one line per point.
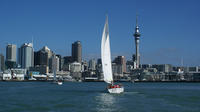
116 90
60 83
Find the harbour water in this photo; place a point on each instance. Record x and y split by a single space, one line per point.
91 97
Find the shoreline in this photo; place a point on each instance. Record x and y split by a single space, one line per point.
103 81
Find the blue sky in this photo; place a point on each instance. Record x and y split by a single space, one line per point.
170 29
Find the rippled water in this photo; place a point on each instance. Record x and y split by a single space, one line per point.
91 97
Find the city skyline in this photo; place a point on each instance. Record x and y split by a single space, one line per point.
169 29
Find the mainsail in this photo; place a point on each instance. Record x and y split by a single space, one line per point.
105 54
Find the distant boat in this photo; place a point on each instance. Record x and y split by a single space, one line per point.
60 82
106 62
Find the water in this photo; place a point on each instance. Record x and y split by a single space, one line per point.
91 97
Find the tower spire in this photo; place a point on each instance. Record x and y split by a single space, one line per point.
136 20
32 41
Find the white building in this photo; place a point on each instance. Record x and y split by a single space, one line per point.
18 74
26 55
75 67
7 75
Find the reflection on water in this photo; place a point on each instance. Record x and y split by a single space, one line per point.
106 102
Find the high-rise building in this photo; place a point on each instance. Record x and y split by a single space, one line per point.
99 61
11 52
50 53
120 60
2 62
60 61
41 58
26 55
10 56
77 52
54 63
92 64
66 63
137 40
57 63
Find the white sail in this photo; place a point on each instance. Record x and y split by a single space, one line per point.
105 54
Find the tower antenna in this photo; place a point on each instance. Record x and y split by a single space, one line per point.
136 20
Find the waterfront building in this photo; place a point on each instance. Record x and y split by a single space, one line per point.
117 71
49 52
77 52
53 63
68 59
10 56
84 65
120 60
11 52
163 67
146 66
40 58
26 55
42 69
18 74
49 55
7 75
129 66
57 63
66 63
99 71
134 61
2 65
137 39
193 69
75 70
75 67
92 64
60 62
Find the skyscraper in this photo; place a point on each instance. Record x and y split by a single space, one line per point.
120 60
11 52
60 61
77 52
50 53
54 63
10 55
26 55
92 64
137 40
1 62
41 58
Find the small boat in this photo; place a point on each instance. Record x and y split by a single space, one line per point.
106 62
60 82
118 88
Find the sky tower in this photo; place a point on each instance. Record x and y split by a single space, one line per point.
137 40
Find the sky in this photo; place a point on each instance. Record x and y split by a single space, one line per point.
170 29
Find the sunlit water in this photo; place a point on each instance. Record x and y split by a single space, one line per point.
91 97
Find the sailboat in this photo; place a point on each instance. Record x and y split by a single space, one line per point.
106 62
